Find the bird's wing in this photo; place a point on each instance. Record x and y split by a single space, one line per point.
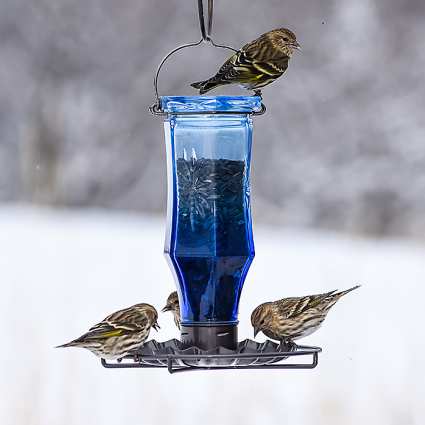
291 307
119 323
241 68
105 330
177 321
288 307
273 69
129 318
231 69
265 57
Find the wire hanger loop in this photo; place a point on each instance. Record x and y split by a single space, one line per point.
206 30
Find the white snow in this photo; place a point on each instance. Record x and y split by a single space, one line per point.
61 272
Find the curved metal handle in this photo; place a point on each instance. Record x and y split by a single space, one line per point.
155 109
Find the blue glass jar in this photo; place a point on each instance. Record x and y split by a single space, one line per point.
209 243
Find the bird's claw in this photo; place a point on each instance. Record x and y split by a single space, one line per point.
287 344
258 93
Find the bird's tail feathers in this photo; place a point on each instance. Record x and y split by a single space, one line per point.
334 298
342 293
198 85
68 344
206 86
74 343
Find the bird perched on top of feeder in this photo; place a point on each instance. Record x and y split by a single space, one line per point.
173 306
119 333
256 64
292 318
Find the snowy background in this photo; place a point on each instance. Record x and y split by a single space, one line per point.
63 271
338 196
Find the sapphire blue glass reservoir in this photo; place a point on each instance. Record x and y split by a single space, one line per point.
209 241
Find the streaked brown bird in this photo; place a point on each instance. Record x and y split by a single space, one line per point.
173 306
256 64
119 333
291 318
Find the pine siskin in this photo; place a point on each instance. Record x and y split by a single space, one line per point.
119 333
173 306
257 64
292 318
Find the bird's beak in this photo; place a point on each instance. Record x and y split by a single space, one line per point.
156 326
256 330
166 308
296 46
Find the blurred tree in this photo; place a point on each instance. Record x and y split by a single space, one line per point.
342 139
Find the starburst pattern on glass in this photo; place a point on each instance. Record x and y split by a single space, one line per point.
209 235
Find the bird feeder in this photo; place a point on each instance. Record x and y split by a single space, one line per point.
209 242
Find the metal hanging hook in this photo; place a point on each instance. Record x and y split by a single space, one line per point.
156 109
210 15
206 34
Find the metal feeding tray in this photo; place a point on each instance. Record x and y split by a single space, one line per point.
248 355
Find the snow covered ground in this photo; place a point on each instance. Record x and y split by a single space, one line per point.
63 271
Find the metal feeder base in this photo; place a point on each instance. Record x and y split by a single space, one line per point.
177 357
207 337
